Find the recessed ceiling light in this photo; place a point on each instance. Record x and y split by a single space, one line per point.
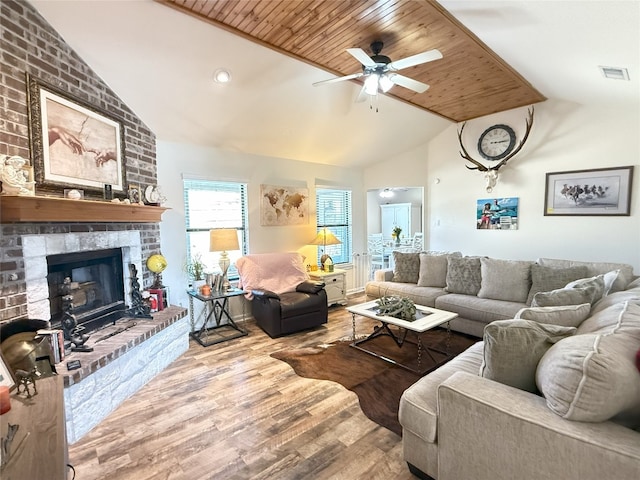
615 73
386 193
222 76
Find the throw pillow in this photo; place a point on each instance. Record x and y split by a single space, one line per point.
508 280
608 280
565 315
433 269
589 293
463 275
513 348
594 284
592 377
545 279
406 268
596 268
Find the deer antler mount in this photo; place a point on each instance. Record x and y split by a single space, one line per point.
495 143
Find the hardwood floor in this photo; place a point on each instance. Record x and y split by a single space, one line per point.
230 411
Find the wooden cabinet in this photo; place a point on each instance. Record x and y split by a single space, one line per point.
335 285
404 215
42 455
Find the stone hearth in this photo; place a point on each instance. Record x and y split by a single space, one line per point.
119 366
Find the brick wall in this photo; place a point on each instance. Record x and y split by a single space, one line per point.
28 44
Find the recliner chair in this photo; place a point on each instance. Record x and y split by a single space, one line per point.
283 299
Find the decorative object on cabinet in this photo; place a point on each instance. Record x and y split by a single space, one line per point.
497 213
325 237
283 205
73 144
495 143
6 375
598 191
221 240
16 176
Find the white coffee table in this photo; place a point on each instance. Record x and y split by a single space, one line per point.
426 319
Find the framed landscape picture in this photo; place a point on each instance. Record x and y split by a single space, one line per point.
73 144
599 191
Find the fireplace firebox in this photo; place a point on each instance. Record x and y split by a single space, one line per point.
94 280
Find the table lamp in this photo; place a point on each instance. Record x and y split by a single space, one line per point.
221 240
325 237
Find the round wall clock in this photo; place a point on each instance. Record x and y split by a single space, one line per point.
496 142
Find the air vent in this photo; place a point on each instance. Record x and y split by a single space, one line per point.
615 73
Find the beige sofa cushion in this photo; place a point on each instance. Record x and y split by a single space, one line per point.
545 279
463 275
508 280
591 377
406 267
588 292
513 348
418 410
565 315
433 269
596 268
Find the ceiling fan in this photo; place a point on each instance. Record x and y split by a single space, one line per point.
380 72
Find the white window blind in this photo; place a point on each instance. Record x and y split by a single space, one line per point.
333 207
211 204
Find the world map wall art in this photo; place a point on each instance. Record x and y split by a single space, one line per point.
283 205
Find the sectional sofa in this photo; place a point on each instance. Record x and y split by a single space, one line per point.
551 392
481 289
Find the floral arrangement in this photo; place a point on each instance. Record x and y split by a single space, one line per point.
397 307
395 233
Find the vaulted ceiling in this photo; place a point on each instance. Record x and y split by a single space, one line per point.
469 81
160 61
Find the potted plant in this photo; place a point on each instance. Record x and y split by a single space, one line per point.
396 234
196 270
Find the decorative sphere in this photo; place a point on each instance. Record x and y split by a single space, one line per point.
156 263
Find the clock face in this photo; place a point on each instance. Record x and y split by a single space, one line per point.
496 142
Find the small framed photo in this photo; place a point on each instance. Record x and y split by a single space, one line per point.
594 192
158 293
6 375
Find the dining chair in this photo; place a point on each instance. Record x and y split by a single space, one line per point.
418 241
376 252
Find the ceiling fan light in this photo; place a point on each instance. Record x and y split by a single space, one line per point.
371 84
385 83
386 193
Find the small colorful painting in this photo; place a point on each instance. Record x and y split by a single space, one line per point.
497 213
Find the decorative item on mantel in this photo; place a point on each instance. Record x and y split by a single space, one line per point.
16 176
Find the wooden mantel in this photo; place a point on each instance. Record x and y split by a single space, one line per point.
52 209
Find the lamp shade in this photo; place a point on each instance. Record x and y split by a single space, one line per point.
325 237
223 239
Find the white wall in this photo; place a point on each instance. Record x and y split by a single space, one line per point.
564 137
176 160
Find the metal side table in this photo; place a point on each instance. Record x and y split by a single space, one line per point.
216 307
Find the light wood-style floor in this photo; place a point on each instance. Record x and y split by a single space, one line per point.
230 411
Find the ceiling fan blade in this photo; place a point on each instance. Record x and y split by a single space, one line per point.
362 96
339 79
413 60
362 57
409 83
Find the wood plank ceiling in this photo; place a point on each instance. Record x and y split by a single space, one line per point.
469 81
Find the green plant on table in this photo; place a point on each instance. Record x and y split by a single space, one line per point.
395 233
196 268
397 307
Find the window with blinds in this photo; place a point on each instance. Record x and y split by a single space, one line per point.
211 204
333 209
